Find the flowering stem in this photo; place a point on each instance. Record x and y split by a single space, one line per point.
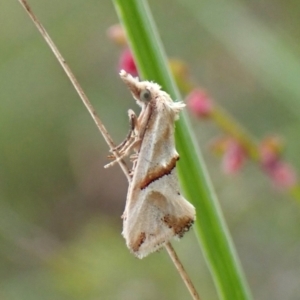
234 129
248 143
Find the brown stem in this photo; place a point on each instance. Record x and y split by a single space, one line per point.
104 132
76 85
185 277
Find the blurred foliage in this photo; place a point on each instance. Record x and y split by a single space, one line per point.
60 210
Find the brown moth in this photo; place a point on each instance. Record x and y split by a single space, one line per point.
155 209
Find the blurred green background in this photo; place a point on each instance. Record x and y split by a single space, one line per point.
60 226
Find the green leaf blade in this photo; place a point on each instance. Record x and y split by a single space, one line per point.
210 226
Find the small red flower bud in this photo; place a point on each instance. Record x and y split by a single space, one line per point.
199 103
282 174
127 62
233 158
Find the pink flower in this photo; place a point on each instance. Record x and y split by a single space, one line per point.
127 62
282 174
199 103
233 158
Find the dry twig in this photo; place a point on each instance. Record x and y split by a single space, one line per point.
104 132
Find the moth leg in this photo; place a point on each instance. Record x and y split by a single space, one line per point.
129 147
133 158
134 137
130 141
132 121
143 121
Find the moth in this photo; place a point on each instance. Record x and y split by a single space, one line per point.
155 210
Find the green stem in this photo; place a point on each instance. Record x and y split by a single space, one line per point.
210 226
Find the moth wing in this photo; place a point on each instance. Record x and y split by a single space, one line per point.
155 210
158 146
160 214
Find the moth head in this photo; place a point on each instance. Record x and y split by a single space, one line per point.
145 95
142 91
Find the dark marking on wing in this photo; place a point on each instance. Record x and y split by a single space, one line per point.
179 225
159 172
135 246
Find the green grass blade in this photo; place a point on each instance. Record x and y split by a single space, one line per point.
210 226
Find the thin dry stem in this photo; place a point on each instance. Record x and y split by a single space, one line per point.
105 134
185 277
76 85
